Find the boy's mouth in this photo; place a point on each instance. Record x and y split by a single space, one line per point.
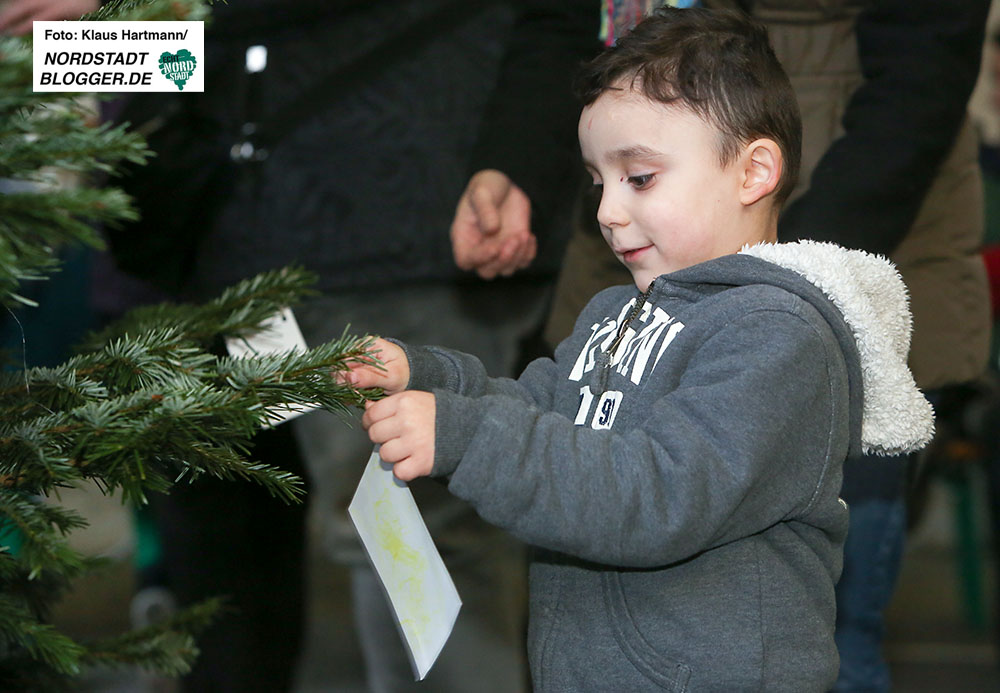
633 254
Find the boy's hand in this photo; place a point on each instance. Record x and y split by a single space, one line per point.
491 232
403 425
392 379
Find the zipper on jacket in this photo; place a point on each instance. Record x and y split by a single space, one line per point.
605 359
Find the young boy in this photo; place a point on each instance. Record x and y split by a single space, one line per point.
677 464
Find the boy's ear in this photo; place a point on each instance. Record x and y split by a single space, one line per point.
762 171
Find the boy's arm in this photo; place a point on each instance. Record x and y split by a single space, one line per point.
437 368
403 423
744 442
405 367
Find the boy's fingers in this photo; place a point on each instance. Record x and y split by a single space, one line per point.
377 411
404 466
367 419
359 377
347 377
365 372
404 471
384 431
379 344
364 376
393 451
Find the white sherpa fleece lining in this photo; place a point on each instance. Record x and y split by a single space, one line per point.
871 296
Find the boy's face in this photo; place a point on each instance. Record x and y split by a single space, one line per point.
666 202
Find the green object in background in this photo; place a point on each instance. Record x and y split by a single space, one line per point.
44 335
969 548
11 538
148 549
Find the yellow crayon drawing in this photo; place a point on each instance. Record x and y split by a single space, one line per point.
408 566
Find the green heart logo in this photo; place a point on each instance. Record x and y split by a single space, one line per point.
178 67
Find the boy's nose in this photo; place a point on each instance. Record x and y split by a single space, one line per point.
611 212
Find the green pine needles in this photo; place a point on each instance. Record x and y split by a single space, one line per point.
147 403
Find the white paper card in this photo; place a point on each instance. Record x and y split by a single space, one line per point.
420 590
278 334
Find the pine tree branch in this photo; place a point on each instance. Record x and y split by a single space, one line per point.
61 216
19 629
133 441
150 10
43 528
39 391
166 647
69 144
17 100
39 591
34 225
286 380
147 409
238 311
161 358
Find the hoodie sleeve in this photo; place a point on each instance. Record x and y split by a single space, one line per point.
743 442
434 369
920 60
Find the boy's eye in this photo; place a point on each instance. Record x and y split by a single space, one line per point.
640 182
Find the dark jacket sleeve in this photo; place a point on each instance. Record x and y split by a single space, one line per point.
920 60
529 129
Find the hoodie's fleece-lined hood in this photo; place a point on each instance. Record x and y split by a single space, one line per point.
871 296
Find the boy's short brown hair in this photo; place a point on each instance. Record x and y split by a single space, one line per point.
719 65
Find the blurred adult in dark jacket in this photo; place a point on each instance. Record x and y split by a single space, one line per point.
338 136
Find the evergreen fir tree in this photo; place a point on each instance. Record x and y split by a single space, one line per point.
146 403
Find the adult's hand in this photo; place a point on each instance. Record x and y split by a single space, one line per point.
491 233
17 16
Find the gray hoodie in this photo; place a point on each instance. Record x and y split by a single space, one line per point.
677 466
